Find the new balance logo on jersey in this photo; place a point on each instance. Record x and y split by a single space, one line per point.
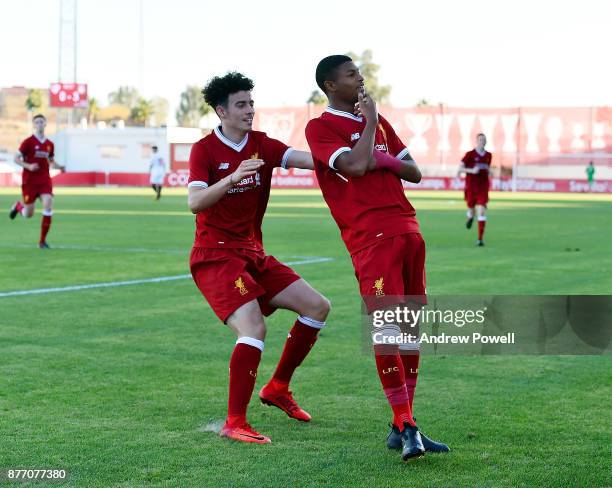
224 166
355 136
381 147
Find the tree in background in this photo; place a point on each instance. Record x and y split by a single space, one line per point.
317 98
34 100
113 113
369 70
160 110
191 107
126 96
141 112
93 109
423 102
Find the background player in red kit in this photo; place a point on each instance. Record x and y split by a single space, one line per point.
476 164
35 156
360 162
229 187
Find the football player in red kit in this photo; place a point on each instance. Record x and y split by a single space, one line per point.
476 165
229 186
360 163
35 156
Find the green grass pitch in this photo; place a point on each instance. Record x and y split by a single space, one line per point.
122 385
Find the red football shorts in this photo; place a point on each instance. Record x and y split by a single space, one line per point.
476 196
391 270
31 191
229 278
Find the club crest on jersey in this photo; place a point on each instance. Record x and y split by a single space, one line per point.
355 136
379 286
239 283
224 166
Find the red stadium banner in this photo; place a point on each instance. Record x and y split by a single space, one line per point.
442 135
68 95
304 179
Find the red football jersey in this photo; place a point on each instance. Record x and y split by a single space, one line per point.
369 207
235 220
36 151
480 180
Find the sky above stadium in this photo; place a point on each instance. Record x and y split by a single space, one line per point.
467 53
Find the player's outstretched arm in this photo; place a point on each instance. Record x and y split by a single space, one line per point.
300 159
201 198
359 159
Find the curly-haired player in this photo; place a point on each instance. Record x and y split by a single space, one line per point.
229 186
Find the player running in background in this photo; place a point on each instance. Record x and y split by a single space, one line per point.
360 163
476 164
157 172
35 156
229 186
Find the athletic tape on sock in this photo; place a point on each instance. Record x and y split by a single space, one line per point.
383 335
251 342
311 322
482 218
47 213
410 346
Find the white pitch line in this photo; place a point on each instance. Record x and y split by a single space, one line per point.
160 279
76 247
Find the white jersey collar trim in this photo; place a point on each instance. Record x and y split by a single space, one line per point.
236 147
42 141
342 113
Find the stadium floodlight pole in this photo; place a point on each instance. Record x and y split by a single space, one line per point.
67 49
141 47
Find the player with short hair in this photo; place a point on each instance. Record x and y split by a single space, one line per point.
360 163
36 156
476 165
229 186
157 172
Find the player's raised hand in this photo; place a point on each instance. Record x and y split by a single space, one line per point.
248 167
366 107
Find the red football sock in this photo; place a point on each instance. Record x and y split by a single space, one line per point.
481 227
391 374
411 371
243 372
300 340
45 224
